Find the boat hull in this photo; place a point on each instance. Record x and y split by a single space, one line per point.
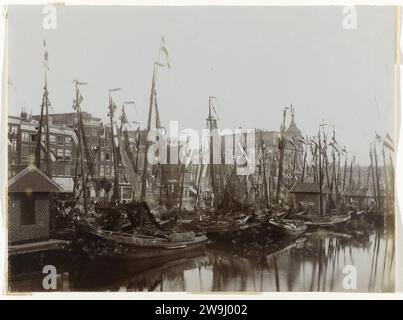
116 247
289 228
333 222
228 230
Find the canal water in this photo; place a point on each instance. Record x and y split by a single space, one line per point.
358 258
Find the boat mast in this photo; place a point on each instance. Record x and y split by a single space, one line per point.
377 177
304 163
210 124
80 133
44 124
152 96
320 175
334 186
350 180
111 107
373 177
345 171
281 146
263 146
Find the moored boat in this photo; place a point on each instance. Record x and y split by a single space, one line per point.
131 246
288 227
327 221
224 227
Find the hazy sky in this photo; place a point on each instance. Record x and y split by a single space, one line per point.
255 61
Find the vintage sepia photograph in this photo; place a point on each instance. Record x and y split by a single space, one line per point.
201 148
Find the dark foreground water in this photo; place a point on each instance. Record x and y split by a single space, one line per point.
358 258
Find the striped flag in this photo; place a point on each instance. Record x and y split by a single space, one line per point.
74 136
388 145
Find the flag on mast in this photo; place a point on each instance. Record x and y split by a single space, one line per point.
164 50
123 117
45 56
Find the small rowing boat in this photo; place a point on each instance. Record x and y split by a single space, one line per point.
288 227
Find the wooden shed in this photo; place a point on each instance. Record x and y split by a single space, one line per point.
307 196
29 205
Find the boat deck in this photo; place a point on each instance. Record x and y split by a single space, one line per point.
40 246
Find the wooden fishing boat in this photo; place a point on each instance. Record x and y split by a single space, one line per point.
327 221
288 227
224 227
132 246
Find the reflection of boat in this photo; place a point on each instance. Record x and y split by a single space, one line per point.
327 233
298 243
327 221
288 227
127 246
129 275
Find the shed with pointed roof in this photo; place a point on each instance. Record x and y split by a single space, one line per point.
29 205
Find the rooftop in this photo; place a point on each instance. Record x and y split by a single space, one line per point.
312 187
31 180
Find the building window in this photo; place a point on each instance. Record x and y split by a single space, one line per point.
101 171
25 151
67 141
102 156
52 138
14 129
33 137
25 136
126 193
67 170
59 155
67 155
102 143
94 132
107 156
107 170
27 212
14 145
60 140
60 170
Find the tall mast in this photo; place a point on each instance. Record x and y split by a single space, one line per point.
44 124
377 177
210 124
350 179
373 177
115 195
385 167
157 63
320 175
266 197
144 177
80 133
334 177
304 163
345 171
281 146
47 153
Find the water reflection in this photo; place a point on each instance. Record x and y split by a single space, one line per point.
314 262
